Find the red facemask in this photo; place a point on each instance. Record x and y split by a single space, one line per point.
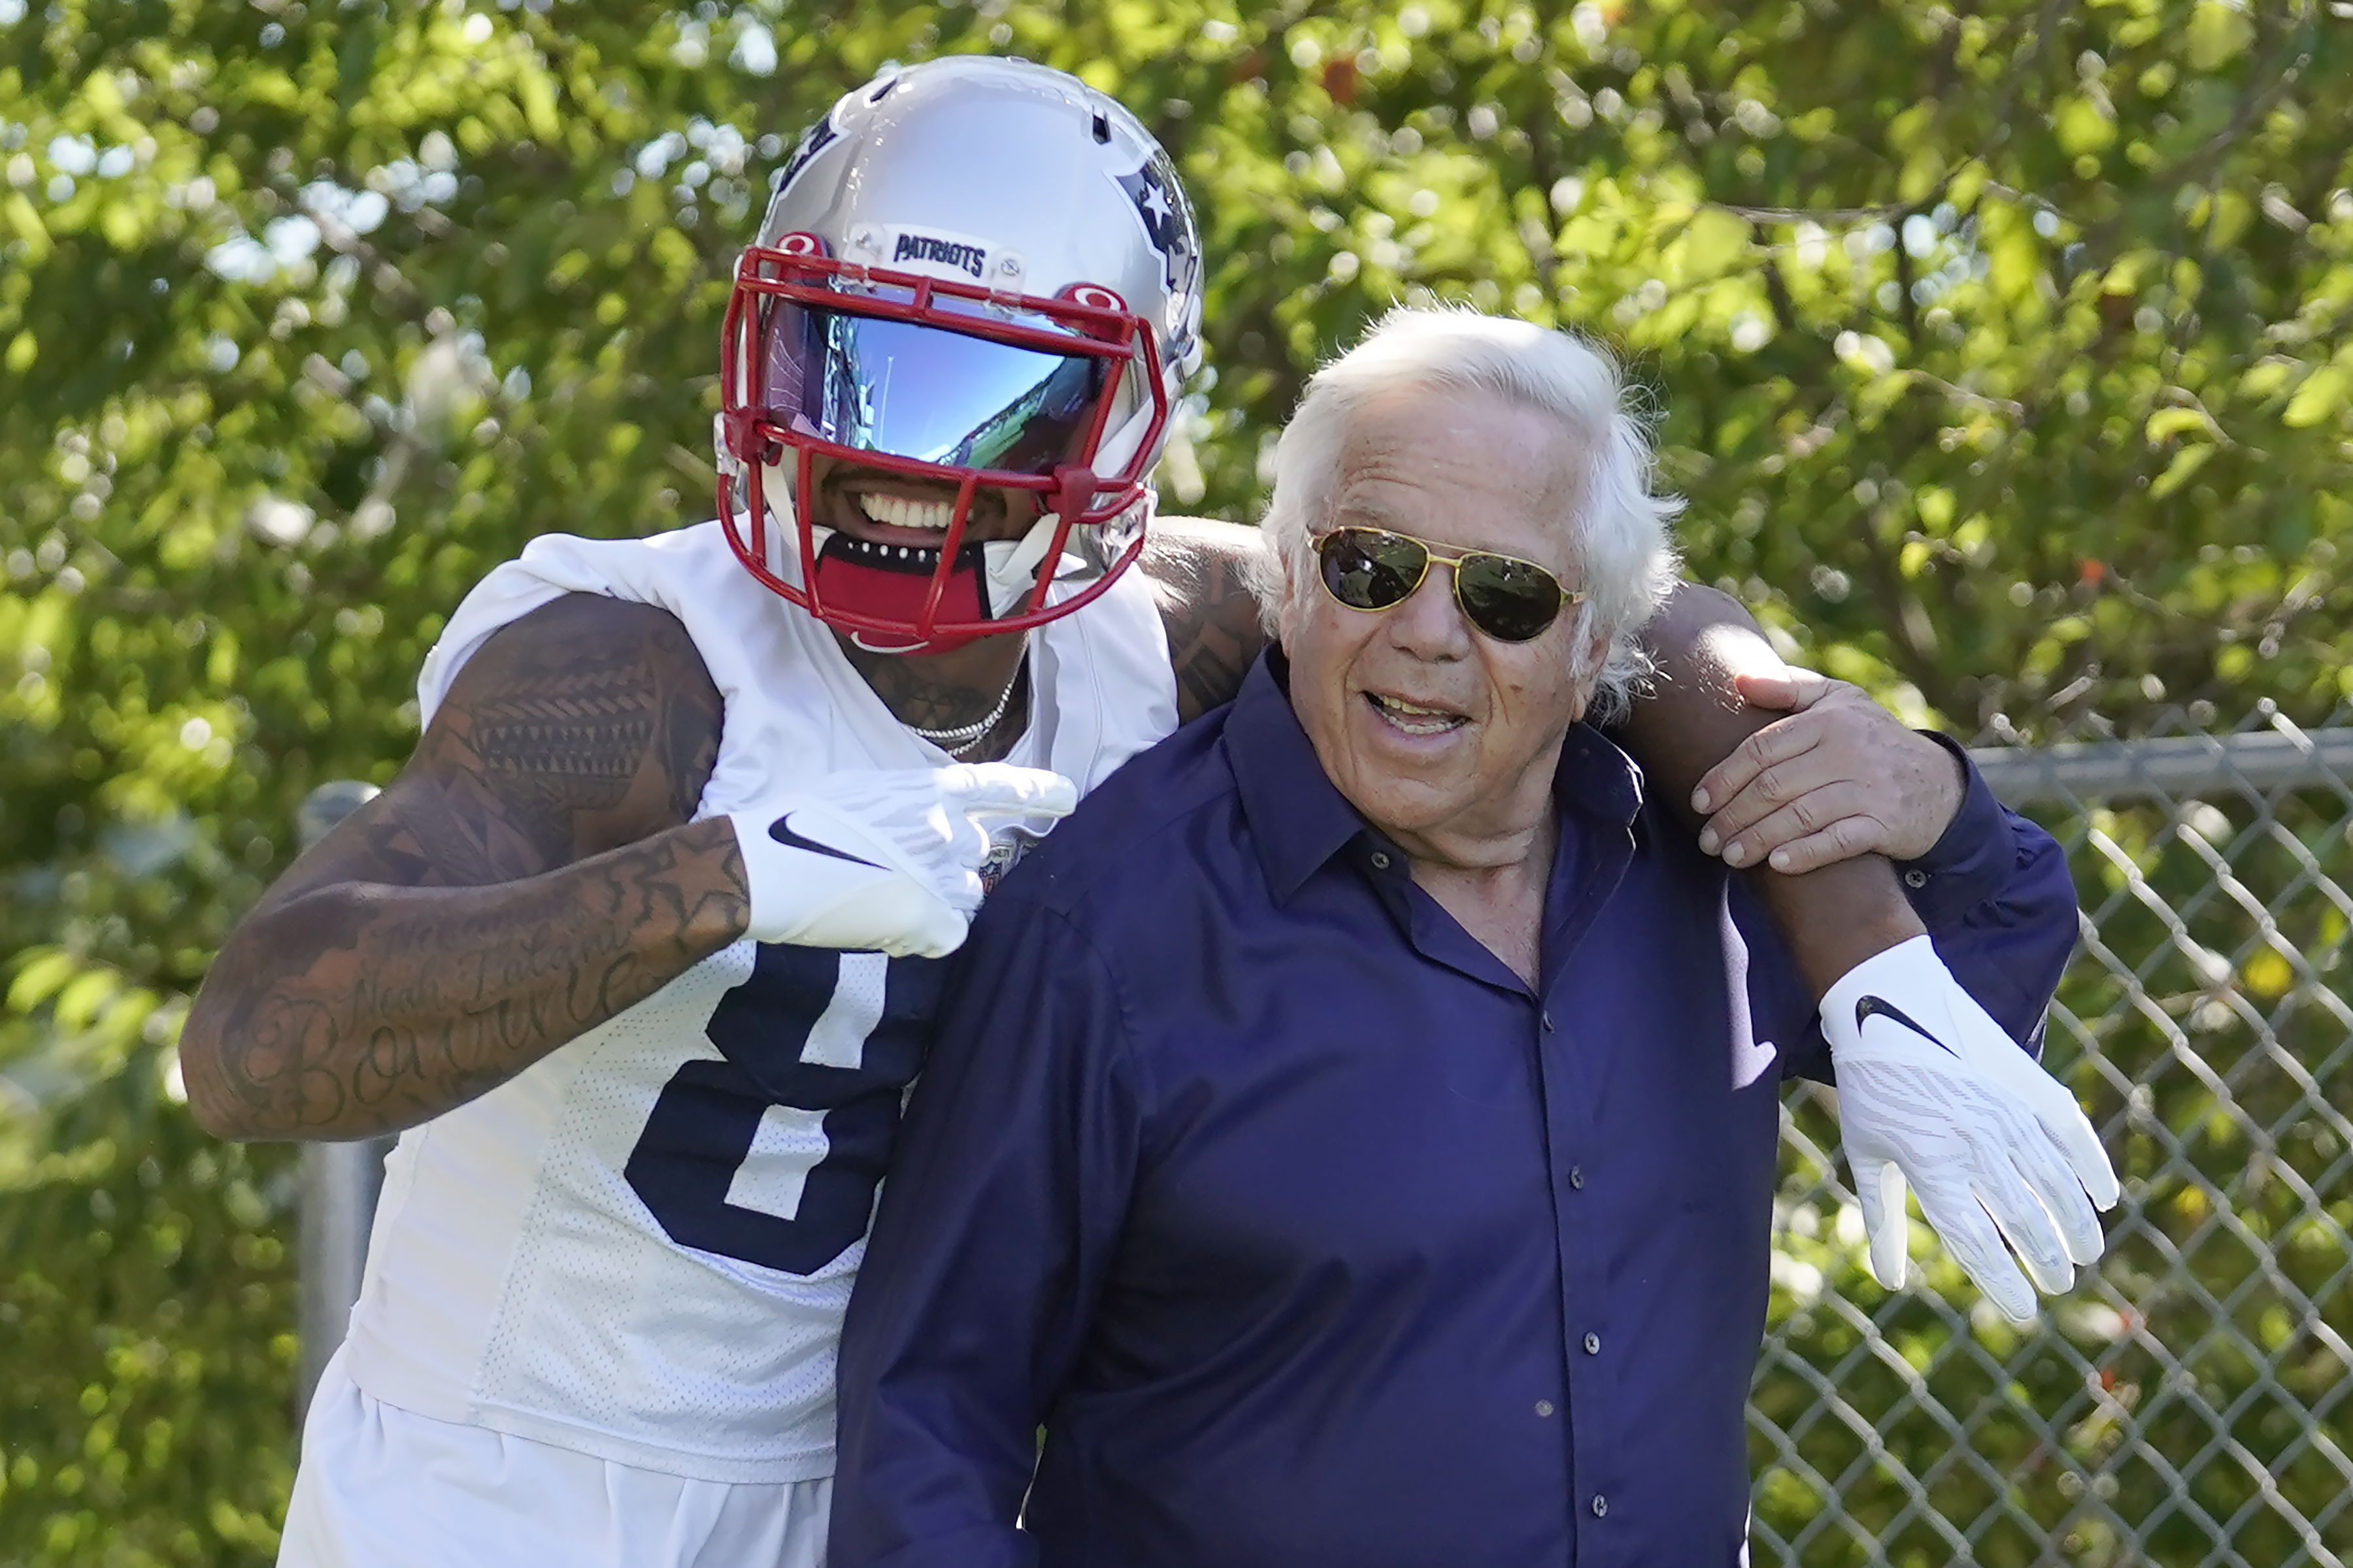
931 379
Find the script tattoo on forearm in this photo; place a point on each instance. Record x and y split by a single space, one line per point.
392 1005
528 875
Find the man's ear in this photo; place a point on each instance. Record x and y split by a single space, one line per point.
1597 654
1586 655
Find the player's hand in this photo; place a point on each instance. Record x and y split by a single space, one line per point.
1932 1090
883 860
1840 776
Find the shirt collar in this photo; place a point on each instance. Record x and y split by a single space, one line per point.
1298 817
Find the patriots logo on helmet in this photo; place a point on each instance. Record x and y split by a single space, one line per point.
1157 200
816 140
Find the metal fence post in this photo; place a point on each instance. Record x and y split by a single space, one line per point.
339 1181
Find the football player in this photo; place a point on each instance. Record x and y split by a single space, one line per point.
641 947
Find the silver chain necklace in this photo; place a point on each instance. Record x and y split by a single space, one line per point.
963 738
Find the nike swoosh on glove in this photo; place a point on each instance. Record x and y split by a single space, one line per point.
886 859
1933 1091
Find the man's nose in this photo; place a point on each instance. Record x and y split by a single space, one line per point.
1429 624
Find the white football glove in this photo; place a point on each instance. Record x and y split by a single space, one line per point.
884 860
1932 1089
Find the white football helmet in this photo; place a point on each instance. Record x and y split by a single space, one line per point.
974 271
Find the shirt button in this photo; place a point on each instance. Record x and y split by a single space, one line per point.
1544 1406
1380 860
1915 878
1593 1344
1576 1177
1547 1020
1601 1506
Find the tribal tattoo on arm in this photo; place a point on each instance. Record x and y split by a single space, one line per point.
531 873
1201 573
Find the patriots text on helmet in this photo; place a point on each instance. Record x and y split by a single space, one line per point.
924 247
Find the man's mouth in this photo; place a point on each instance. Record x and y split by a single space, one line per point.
905 511
896 509
1414 718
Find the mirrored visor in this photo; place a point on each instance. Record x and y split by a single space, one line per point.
907 390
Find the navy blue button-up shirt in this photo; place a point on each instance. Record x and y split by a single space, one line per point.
1312 1236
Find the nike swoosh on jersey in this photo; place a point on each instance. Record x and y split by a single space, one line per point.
1879 1006
781 831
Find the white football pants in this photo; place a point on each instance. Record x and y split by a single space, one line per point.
384 1488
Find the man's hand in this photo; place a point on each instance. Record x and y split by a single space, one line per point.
1840 776
1933 1090
883 860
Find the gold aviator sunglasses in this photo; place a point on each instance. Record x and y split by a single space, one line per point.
1504 597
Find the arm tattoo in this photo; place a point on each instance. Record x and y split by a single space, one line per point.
380 1006
530 873
1201 571
599 726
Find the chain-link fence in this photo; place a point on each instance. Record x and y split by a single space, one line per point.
2191 1402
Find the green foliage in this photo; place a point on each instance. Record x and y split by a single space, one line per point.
145 1304
2003 357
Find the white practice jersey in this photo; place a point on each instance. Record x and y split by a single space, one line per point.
640 1247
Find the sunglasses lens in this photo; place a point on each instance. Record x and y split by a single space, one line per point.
1366 569
1511 601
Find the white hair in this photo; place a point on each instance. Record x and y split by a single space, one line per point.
1625 558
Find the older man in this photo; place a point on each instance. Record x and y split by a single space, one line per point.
1352 1135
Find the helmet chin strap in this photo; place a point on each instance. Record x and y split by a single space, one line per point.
1013 565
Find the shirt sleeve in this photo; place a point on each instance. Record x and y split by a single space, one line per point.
1006 1193
1997 897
